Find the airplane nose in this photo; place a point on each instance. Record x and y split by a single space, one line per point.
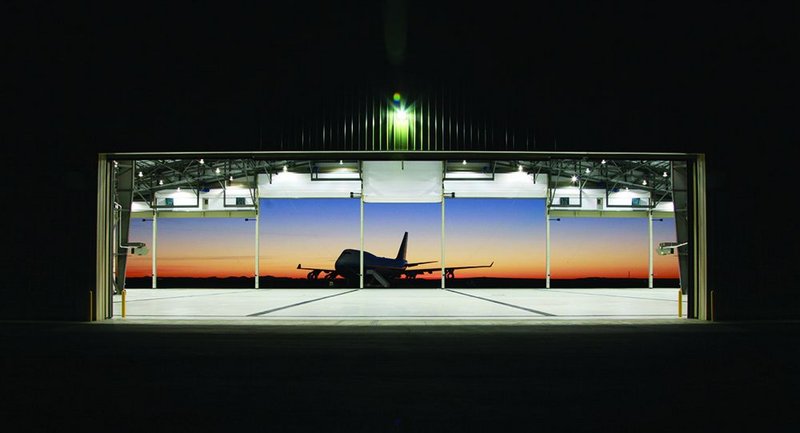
346 262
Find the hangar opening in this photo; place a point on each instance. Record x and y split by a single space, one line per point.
400 236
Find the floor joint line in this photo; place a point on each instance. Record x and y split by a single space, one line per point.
503 303
299 303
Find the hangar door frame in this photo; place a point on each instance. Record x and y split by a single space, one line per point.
690 187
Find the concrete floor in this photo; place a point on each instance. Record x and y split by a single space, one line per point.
459 305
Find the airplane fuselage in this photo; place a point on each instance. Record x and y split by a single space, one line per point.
348 264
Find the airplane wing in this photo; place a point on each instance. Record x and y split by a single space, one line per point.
420 263
314 273
447 269
452 268
299 266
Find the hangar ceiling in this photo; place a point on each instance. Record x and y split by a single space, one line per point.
197 174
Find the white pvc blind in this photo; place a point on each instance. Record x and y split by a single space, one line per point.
504 185
402 181
300 185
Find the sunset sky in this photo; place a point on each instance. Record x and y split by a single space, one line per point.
509 232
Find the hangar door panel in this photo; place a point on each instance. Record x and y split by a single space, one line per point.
308 233
599 252
205 252
385 226
508 234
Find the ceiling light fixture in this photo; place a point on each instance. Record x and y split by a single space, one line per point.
644 182
665 174
161 182
141 174
285 169
574 179
603 162
202 162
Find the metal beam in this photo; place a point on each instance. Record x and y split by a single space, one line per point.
609 214
197 214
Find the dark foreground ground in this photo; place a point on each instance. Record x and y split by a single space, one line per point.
718 377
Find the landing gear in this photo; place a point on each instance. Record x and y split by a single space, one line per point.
313 275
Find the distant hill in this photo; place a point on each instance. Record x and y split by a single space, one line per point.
274 282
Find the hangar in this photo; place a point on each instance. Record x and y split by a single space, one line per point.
503 236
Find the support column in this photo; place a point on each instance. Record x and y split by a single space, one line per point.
444 275
547 246
155 238
361 251
100 294
125 181
650 249
547 235
258 248
684 227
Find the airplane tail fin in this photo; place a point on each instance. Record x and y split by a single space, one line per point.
401 254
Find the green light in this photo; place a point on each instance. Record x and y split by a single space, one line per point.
396 97
401 126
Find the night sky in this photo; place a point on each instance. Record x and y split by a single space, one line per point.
89 77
